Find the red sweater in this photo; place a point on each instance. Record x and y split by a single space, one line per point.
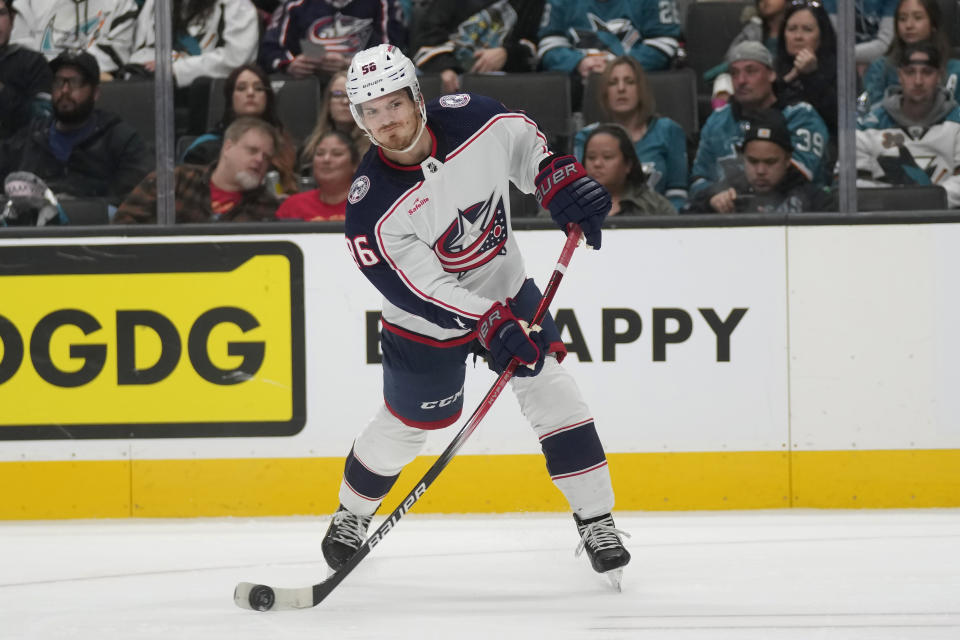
308 206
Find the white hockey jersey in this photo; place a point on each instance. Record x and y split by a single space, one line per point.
213 46
102 27
890 151
436 239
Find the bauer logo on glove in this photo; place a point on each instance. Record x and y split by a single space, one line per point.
506 337
572 196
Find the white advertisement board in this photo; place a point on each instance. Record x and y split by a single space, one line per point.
677 338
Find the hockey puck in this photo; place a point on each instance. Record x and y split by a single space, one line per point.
261 597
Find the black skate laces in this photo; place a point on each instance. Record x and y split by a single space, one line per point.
600 535
351 529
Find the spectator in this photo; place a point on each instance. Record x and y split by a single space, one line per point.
103 27
806 60
248 92
584 35
916 20
873 27
751 67
659 142
335 116
210 38
25 79
480 36
332 32
764 27
79 150
769 182
611 160
229 190
335 159
913 136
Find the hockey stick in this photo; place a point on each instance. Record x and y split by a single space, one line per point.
263 598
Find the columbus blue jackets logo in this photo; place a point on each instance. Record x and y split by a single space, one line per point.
358 189
346 35
477 236
454 101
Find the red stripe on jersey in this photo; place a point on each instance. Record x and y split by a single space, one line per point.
566 428
400 272
433 342
580 473
286 22
360 495
489 124
426 426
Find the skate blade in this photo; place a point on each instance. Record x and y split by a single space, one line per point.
615 576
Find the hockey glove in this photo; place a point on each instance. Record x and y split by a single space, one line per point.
505 338
564 188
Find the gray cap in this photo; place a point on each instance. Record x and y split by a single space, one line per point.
751 50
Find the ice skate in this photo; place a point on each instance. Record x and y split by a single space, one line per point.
346 533
601 540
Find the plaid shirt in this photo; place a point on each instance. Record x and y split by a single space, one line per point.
192 200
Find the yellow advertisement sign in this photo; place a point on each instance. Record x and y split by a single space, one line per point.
151 340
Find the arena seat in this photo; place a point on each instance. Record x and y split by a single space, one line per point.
710 28
544 96
132 100
901 198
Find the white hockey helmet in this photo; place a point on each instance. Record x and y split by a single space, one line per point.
379 71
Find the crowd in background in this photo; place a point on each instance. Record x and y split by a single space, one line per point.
767 141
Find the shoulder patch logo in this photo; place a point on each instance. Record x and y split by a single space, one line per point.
455 101
358 189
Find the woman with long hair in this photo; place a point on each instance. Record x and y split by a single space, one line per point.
915 20
334 160
659 142
247 92
610 158
806 60
334 115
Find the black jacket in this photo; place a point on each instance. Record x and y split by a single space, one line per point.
25 81
794 194
108 163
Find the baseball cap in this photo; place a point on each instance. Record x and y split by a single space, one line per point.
768 125
751 50
925 47
82 60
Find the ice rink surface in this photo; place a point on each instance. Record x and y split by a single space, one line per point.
740 575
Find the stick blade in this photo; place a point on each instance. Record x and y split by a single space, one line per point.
260 597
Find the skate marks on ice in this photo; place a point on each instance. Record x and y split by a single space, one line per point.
743 575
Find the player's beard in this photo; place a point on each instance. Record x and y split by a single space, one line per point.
396 139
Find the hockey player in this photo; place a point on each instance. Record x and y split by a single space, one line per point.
428 223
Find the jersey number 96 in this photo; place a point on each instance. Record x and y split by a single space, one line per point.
361 253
